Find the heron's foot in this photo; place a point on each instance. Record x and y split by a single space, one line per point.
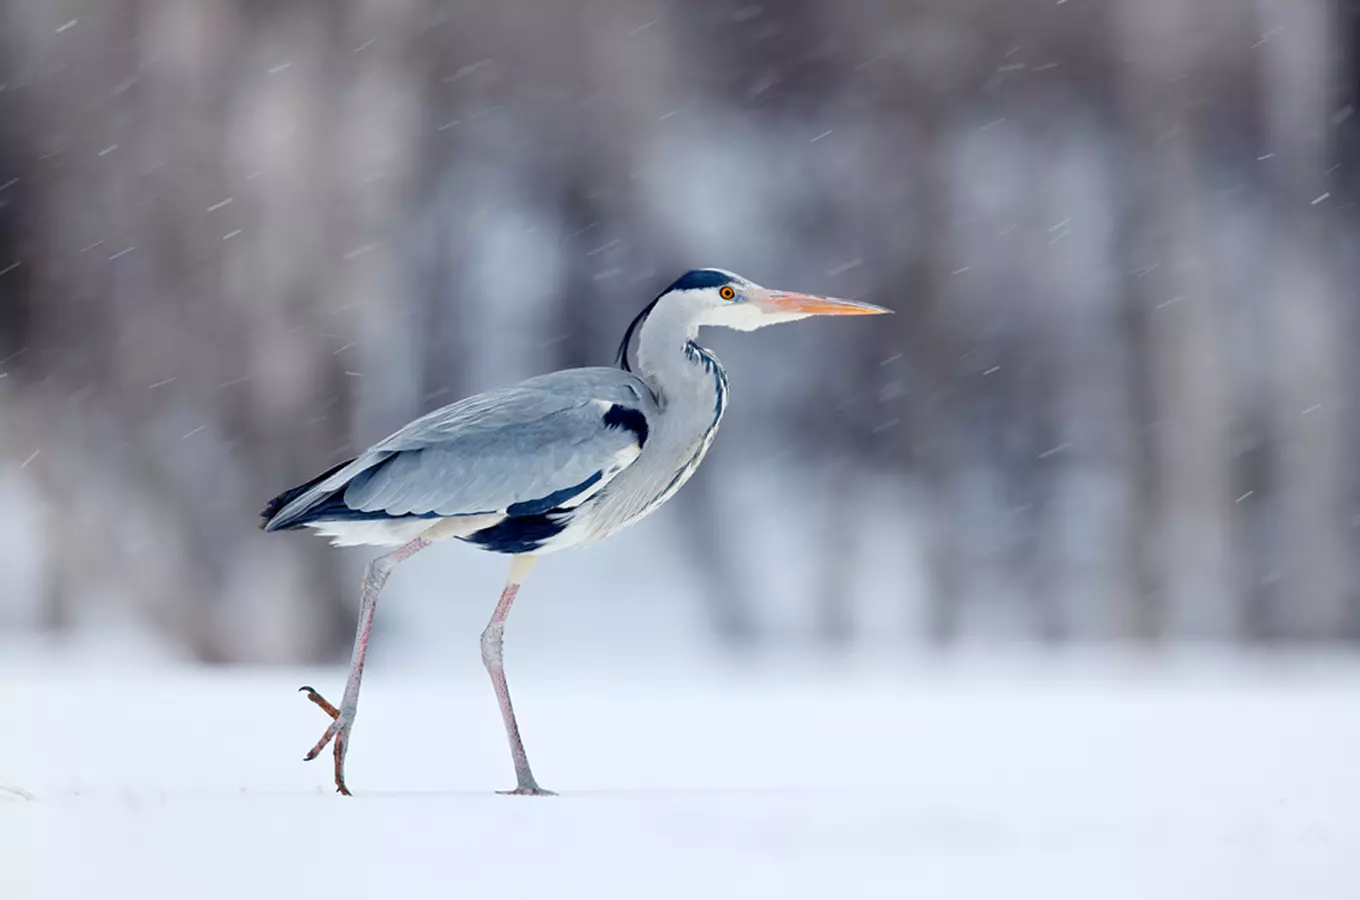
528 790
338 731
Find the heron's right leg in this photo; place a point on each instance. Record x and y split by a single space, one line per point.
491 657
375 576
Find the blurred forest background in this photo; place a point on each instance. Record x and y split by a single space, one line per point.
241 240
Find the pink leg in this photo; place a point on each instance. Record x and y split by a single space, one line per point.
491 655
375 576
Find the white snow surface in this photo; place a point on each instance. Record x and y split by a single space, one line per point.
946 781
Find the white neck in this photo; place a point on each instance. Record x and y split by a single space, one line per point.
660 358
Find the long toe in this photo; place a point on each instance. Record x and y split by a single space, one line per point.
340 787
337 731
326 736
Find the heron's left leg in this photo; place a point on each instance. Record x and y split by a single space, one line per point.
375 576
491 656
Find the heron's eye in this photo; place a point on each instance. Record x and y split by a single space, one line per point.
726 292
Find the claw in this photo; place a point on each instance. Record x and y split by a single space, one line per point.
320 701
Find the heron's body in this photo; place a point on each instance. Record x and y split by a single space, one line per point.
590 451
553 462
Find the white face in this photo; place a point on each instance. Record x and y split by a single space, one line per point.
741 304
724 298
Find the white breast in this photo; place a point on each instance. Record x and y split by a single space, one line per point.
681 434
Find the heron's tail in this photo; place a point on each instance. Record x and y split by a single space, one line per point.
270 518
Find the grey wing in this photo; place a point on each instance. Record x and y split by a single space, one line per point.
547 442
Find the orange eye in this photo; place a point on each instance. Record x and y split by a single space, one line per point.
726 292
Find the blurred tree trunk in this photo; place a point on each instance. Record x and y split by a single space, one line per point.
1309 402
1191 514
936 413
1346 135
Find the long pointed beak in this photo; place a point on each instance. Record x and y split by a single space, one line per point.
811 305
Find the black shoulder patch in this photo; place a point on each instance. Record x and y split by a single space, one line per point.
619 416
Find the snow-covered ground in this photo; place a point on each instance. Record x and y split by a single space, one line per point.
1054 781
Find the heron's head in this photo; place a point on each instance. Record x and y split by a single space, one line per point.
718 297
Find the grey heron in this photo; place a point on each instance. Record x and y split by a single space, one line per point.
556 461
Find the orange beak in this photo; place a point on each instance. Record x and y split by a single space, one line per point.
811 305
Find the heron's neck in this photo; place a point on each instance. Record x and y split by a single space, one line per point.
660 358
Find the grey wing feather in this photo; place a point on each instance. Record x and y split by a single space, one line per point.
516 445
